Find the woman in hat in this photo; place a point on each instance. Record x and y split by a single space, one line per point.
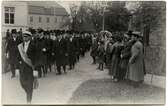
114 70
125 55
136 66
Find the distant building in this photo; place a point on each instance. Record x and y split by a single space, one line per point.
35 14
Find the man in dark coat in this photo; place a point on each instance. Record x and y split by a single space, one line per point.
49 50
41 58
26 58
61 54
12 51
71 52
77 46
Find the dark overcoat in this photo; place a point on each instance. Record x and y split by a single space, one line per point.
13 50
71 51
41 57
77 46
49 45
61 53
126 53
115 70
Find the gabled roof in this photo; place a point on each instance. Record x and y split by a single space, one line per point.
44 4
46 8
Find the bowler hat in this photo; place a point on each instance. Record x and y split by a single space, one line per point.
14 31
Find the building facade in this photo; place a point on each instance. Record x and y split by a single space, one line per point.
34 14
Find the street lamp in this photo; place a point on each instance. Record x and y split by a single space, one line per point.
103 19
104 10
131 20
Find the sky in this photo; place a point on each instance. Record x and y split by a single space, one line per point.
66 4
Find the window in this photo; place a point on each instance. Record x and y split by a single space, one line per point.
55 20
31 19
9 15
47 20
40 19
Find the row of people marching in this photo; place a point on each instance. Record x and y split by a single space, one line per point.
122 54
53 49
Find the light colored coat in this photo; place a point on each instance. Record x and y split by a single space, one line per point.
136 65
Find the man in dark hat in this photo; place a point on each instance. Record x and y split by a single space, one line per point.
61 54
41 58
12 51
26 58
129 33
71 51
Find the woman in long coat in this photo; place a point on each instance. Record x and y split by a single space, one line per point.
125 55
114 70
136 65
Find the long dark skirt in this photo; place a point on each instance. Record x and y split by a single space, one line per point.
114 68
123 68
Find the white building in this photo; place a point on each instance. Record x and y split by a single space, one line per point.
35 14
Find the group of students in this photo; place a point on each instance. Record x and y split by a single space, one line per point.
40 51
34 52
122 54
53 48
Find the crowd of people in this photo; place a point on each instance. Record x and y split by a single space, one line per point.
52 48
122 54
47 50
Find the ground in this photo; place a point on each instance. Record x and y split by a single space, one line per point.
84 84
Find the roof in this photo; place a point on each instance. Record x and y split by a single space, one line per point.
44 4
46 8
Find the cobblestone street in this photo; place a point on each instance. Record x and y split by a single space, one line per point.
85 84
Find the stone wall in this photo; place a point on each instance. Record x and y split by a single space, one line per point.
155 53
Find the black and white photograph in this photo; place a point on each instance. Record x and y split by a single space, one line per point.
83 52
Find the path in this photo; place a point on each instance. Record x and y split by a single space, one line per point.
53 89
